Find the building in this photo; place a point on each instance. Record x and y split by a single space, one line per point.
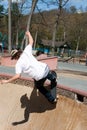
60 47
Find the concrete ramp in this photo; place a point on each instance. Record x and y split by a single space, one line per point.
23 108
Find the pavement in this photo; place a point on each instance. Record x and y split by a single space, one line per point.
72 66
74 82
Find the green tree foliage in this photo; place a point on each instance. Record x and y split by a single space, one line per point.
1 9
1 36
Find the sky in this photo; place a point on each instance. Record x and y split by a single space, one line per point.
77 3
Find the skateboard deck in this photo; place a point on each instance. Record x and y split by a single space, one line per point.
54 89
54 92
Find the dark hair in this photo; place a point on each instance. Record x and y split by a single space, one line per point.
17 55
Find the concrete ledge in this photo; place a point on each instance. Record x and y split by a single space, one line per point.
6 61
83 93
60 86
51 61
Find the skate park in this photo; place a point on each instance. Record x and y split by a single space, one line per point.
23 107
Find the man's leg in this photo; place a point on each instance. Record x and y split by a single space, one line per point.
43 90
52 76
53 90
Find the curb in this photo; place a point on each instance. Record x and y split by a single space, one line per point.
76 91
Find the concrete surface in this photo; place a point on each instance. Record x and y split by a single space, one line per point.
78 82
71 66
22 108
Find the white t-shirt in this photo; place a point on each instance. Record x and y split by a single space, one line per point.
27 63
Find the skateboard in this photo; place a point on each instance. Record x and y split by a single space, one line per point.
54 92
54 89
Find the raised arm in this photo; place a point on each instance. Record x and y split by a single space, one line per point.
28 34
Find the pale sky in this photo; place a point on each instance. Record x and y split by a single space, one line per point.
77 3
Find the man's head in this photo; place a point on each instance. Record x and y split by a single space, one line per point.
15 54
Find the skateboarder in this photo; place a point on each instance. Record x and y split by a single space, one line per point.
39 71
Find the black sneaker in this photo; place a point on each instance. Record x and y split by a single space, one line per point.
54 101
49 97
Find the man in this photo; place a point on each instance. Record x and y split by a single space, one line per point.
39 71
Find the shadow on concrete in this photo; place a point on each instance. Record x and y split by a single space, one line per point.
37 103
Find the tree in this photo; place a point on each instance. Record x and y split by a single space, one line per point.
61 4
76 31
73 9
1 37
57 24
16 15
15 12
34 2
1 9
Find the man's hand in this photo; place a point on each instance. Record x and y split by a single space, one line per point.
10 79
3 81
28 34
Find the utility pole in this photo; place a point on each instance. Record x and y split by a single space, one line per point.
9 26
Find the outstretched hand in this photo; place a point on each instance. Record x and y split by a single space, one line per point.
3 81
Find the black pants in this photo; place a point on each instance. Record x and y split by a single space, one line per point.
39 84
